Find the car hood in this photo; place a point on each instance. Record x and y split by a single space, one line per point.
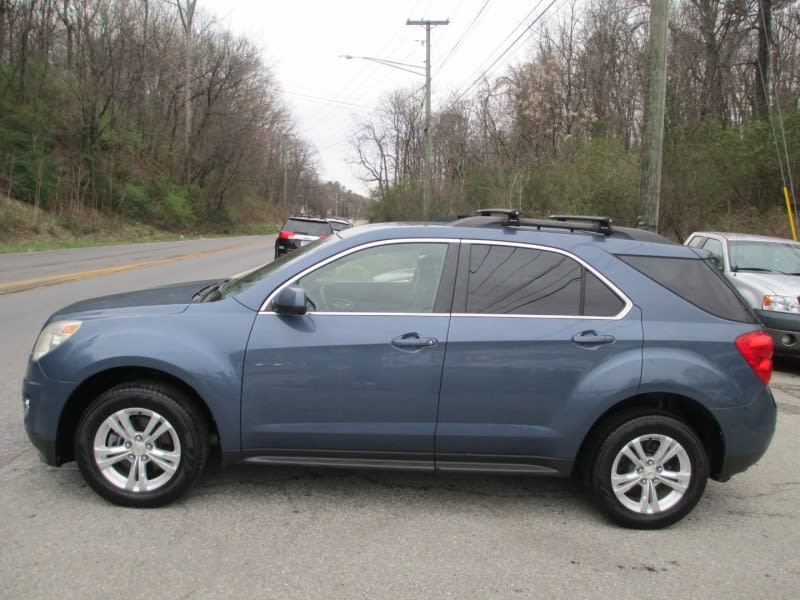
177 296
772 283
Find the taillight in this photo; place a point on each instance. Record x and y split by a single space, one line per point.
286 235
756 348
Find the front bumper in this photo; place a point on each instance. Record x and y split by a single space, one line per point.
784 328
44 400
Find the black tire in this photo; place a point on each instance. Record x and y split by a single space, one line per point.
154 443
650 493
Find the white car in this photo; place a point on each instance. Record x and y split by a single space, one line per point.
766 272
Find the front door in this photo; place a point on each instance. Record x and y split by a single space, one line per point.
356 379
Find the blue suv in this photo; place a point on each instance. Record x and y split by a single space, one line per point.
496 344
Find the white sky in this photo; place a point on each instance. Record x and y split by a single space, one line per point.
302 40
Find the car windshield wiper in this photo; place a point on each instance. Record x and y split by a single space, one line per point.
757 269
210 293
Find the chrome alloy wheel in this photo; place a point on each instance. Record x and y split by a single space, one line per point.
137 450
651 474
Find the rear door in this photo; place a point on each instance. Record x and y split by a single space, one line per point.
537 340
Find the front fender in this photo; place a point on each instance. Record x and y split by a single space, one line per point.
203 350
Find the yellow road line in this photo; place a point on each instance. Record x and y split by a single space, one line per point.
21 285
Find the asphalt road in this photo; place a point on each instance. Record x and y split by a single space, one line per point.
258 532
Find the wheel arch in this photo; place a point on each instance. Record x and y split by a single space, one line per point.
102 381
691 412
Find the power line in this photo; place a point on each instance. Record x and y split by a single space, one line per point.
510 46
470 28
789 204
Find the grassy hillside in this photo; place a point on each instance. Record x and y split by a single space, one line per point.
23 228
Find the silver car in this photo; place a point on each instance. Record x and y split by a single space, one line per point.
766 272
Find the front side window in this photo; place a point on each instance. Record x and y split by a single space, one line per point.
392 278
527 281
715 247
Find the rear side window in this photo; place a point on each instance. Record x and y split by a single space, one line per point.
527 281
696 281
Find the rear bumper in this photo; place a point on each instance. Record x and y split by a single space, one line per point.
286 246
747 432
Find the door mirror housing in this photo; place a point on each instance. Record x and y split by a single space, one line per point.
290 301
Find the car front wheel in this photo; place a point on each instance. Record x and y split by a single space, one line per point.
141 445
649 472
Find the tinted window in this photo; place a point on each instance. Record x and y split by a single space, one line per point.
526 281
308 227
696 281
599 300
394 278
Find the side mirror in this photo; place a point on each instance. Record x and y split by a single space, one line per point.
290 301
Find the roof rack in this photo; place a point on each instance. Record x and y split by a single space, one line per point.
511 214
603 223
509 217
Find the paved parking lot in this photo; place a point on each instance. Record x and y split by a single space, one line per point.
257 532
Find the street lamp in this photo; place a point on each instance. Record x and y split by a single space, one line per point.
428 175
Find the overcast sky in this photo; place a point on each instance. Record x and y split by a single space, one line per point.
303 40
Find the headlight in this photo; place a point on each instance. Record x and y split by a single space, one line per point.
781 304
52 336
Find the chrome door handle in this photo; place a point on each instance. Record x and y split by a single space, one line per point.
412 340
591 338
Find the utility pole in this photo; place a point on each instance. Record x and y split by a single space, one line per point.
654 126
428 167
285 177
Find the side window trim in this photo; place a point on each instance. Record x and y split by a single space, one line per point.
445 284
460 295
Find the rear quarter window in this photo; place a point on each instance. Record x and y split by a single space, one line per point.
696 281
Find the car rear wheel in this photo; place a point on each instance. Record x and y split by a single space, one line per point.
649 472
141 445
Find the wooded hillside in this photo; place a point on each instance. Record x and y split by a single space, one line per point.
148 110
562 131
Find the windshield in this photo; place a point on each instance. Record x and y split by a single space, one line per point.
307 227
771 257
237 285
